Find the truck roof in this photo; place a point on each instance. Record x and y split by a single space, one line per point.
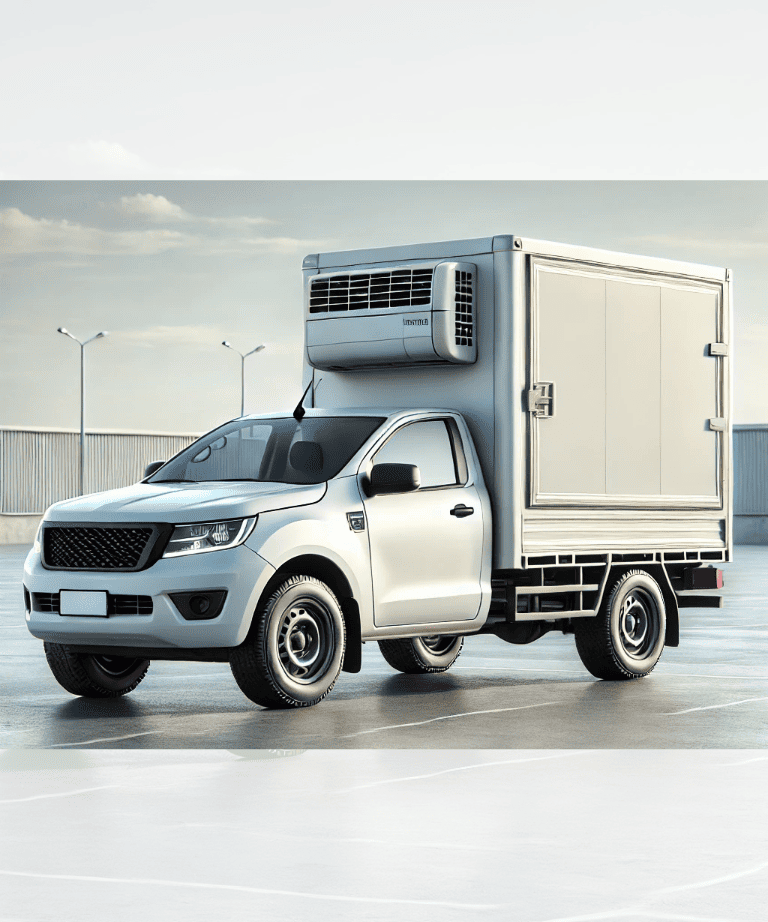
386 412
448 249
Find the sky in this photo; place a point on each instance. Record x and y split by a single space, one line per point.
165 167
497 89
170 269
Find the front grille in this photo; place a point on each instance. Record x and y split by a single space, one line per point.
46 601
90 547
397 288
116 604
129 604
464 324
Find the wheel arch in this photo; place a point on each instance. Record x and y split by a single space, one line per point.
659 572
330 573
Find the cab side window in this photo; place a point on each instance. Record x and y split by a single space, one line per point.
426 444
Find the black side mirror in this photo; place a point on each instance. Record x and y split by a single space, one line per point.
152 467
394 478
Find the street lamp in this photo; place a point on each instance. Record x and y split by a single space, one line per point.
242 370
82 391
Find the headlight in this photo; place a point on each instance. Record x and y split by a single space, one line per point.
36 547
208 536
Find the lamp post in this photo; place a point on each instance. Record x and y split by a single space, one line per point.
82 391
242 370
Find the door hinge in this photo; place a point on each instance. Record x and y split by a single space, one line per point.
718 348
718 424
541 400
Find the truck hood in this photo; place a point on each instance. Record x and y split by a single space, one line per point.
184 502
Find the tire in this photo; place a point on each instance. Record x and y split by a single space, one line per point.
626 638
295 650
420 655
92 675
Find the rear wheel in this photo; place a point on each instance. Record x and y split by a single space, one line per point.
626 638
294 654
421 655
94 675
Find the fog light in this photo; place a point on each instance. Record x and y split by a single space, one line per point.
199 606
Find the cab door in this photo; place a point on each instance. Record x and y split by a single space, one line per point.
426 545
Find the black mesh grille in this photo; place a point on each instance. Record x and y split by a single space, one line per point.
398 288
464 324
116 604
95 548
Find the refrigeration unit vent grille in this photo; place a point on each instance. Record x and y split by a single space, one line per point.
397 288
464 323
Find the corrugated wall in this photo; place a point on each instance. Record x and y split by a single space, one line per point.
750 470
38 468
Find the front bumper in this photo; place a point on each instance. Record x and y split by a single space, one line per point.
239 570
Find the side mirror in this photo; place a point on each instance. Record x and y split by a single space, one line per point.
151 468
394 478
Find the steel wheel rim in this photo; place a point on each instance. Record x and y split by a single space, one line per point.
115 666
638 623
438 644
305 640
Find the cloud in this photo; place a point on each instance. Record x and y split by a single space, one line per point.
153 207
159 209
246 246
22 234
236 221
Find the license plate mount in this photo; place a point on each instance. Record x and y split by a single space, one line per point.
87 604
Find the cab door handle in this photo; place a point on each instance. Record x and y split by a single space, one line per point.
461 510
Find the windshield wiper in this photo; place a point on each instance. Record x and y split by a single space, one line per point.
174 481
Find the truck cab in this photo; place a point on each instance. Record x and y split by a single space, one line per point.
374 524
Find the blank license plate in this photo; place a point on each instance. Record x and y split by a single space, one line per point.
83 603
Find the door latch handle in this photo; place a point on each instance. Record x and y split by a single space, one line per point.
461 510
541 400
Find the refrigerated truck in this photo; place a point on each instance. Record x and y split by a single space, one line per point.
498 435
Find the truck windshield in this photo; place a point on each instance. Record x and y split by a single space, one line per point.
271 450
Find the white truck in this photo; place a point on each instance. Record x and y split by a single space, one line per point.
498 435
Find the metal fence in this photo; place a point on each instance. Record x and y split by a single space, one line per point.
750 469
41 466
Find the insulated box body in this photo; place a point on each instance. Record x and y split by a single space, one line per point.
596 387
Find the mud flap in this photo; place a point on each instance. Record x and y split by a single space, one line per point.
353 653
659 573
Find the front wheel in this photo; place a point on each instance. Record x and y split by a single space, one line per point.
93 675
625 639
421 655
294 653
